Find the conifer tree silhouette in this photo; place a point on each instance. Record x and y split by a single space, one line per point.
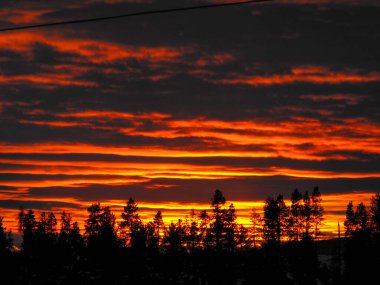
174 238
362 218
350 221
100 229
242 237
362 247
70 240
203 227
295 225
257 227
193 232
130 221
307 216
375 213
28 227
316 211
6 239
275 219
159 227
230 229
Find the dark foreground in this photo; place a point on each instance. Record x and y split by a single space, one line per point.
350 261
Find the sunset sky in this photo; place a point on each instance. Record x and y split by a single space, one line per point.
255 100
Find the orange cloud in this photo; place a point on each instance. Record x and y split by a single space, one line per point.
309 74
347 98
215 59
232 138
47 79
94 51
163 170
114 115
22 16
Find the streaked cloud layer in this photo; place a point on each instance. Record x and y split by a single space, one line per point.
255 100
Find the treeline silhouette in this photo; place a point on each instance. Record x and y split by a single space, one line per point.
282 245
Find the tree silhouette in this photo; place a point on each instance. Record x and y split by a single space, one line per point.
7 266
152 238
70 240
203 227
242 237
275 219
295 218
193 233
139 236
28 226
92 224
230 229
361 249
45 235
214 238
130 221
107 227
6 239
221 234
48 223
362 218
316 211
271 218
159 226
307 216
100 229
174 238
357 221
350 222
375 213
257 227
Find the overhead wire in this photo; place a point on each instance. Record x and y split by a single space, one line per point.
133 14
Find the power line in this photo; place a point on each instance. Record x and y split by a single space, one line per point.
149 12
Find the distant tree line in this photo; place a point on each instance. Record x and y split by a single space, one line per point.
215 230
208 247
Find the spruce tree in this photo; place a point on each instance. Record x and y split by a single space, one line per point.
316 211
229 228
350 221
130 221
174 237
375 213
6 240
70 240
295 225
275 219
204 228
362 218
100 228
193 233
159 225
307 216
28 227
257 227
216 231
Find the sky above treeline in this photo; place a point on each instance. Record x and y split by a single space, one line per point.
255 100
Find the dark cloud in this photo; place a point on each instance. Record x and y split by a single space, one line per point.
43 177
200 190
40 205
357 162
